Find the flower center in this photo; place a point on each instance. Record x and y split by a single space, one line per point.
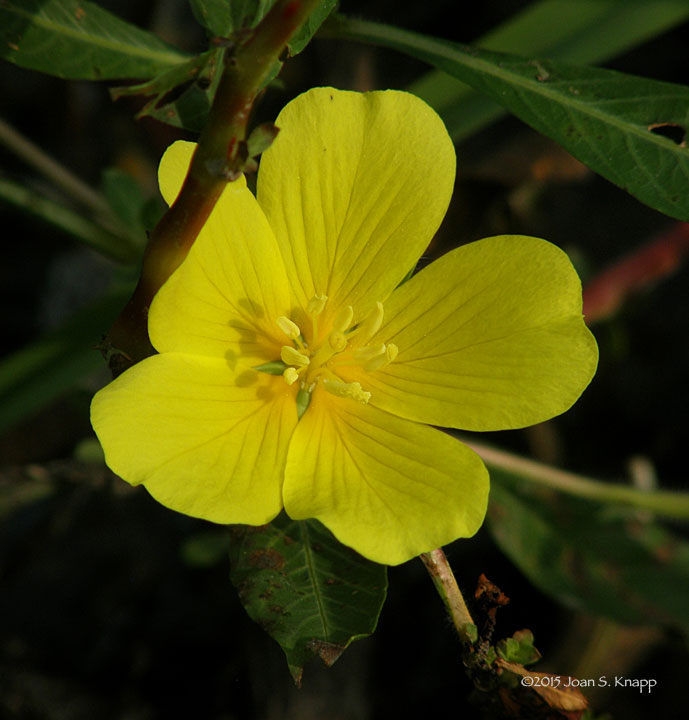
346 344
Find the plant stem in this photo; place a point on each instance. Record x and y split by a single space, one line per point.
669 504
444 581
51 169
216 160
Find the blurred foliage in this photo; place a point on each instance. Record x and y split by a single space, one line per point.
603 560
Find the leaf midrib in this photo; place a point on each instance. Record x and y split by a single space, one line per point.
449 51
166 57
311 567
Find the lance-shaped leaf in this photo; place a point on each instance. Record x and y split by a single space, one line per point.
605 560
303 36
631 130
78 40
307 591
583 32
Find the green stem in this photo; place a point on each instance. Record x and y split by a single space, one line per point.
51 169
666 503
444 581
216 160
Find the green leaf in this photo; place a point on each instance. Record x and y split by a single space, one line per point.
519 648
309 593
215 15
261 138
579 31
38 374
79 40
303 36
610 121
607 561
222 18
182 95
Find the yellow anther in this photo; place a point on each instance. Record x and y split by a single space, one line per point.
369 352
385 358
288 327
371 324
290 356
343 319
352 391
290 375
337 341
316 304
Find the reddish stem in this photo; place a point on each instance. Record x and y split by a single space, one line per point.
215 160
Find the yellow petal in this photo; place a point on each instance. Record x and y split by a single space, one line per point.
205 441
354 187
490 337
226 296
387 487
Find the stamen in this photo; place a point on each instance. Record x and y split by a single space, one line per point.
371 324
316 304
352 391
307 365
288 327
337 341
343 319
291 375
290 356
368 352
380 361
314 308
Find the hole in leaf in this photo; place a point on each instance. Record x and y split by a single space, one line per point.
671 131
173 95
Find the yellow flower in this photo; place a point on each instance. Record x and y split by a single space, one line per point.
304 280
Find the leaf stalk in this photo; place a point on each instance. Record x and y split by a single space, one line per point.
446 585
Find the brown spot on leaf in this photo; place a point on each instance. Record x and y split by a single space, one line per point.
267 559
326 651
